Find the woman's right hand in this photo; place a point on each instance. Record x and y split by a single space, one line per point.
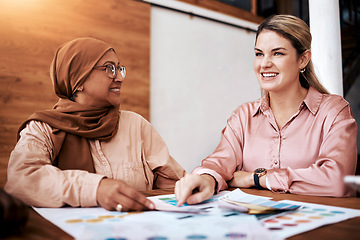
194 188
112 192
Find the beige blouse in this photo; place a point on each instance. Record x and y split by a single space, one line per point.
136 154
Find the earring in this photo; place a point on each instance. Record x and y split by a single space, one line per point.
80 89
302 70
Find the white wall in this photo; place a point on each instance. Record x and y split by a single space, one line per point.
326 43
200 72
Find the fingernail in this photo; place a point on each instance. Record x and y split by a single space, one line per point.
152 206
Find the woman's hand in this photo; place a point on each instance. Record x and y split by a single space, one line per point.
242 179
112 192
194 188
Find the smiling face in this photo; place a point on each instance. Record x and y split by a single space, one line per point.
98 89
277 65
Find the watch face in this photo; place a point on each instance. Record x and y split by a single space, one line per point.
260 171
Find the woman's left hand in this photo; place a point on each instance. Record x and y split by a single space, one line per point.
242 179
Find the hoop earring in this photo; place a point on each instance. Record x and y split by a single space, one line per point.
302 70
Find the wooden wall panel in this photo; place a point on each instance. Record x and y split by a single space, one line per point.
220 7
31 31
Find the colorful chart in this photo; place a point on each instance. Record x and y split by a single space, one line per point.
255 204
310 216
97 223
172 200
111 217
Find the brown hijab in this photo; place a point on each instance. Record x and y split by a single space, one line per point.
72 122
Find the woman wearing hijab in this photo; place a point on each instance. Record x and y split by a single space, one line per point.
85 151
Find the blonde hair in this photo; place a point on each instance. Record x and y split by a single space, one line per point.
298 33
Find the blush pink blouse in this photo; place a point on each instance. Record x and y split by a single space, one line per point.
310 155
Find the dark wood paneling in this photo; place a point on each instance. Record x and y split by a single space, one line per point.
220 7
31 31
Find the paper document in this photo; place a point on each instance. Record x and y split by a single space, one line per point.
307 218
168 203
251 204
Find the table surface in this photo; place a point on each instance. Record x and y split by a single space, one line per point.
39 228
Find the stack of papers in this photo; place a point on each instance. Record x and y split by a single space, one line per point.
251 204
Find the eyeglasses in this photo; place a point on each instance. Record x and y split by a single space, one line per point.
111 68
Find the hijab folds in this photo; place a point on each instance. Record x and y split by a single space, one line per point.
73 123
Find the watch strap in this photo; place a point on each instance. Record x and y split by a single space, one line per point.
256 181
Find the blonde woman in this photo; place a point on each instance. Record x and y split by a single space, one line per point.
297 138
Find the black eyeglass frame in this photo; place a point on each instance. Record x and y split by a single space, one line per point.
112 73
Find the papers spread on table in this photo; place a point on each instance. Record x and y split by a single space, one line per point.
208 220
236 200
97 223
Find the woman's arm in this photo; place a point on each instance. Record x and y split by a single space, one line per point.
33 179
216 169
337 158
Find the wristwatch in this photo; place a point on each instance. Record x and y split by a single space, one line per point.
257 174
